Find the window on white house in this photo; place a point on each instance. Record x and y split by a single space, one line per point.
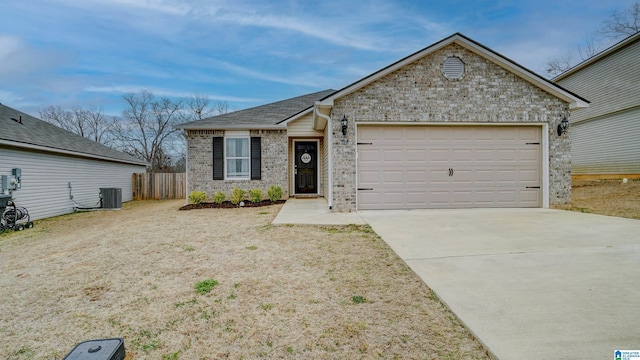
237 157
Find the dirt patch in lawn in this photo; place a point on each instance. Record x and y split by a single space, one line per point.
607 197
279 292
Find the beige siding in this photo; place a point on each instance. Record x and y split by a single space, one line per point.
608 145
302 127
610 84
45 179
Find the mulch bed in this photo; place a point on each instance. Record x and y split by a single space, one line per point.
229 205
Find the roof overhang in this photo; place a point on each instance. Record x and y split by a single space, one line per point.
321 115
615 47
233 127
574 101
33 147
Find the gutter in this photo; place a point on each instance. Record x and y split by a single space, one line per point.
234 127
329 130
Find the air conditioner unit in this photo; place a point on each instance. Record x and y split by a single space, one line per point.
111 198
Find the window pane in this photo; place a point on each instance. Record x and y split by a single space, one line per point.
238 168
237 157
237 147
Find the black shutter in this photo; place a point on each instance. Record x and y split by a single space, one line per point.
256 159
218 158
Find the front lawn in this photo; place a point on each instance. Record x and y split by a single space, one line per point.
216 283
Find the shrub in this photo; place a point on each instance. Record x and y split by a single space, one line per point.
255 195
237 195
219 197
197 197
275 193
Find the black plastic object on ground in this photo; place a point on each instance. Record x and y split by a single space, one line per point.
102 349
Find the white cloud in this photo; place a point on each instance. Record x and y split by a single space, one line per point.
124 89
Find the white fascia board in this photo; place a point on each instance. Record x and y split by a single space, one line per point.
67 152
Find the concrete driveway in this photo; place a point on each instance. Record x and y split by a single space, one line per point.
530 283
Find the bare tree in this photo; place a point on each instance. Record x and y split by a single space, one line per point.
89 122
200 107
591 47
559 64
146 129
622 23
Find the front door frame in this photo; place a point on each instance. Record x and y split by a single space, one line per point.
293 166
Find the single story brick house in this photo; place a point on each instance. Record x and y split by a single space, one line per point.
455 125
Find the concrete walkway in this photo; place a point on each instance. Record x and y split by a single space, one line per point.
529 283
314 211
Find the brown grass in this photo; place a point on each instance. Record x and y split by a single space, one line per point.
284 291
607 197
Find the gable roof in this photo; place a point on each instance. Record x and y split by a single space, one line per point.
604 53
29 132
269 116
574 100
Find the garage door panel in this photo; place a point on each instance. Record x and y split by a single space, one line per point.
449 166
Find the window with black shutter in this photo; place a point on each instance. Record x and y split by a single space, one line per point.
235 159
256 159
218 158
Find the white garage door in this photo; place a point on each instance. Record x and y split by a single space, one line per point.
417 167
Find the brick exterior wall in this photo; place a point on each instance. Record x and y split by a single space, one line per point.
200 163
419 92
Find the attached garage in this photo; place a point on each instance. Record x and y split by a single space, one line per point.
463 166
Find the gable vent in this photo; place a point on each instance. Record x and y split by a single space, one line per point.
453 68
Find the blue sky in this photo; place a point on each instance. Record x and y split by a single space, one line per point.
247 53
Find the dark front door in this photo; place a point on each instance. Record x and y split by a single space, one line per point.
306 167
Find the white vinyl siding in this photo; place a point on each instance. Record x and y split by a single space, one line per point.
45 180
608 145
610 84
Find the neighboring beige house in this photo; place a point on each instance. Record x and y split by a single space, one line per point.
455 125
605 138
59 169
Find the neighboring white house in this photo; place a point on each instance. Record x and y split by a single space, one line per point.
59 169
455 125
605 137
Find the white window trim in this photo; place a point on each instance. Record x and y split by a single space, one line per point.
236 135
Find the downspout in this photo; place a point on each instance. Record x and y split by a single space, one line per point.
329 128
186 169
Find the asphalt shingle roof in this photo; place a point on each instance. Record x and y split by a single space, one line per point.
32 132
268 115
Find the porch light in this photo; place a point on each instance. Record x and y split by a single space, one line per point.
344 123
562 128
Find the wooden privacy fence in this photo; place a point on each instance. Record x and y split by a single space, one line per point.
158 186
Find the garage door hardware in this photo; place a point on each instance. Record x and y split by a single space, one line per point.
533 187
364 143
450 172
532 143
365 189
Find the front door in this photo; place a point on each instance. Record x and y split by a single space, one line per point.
305 169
